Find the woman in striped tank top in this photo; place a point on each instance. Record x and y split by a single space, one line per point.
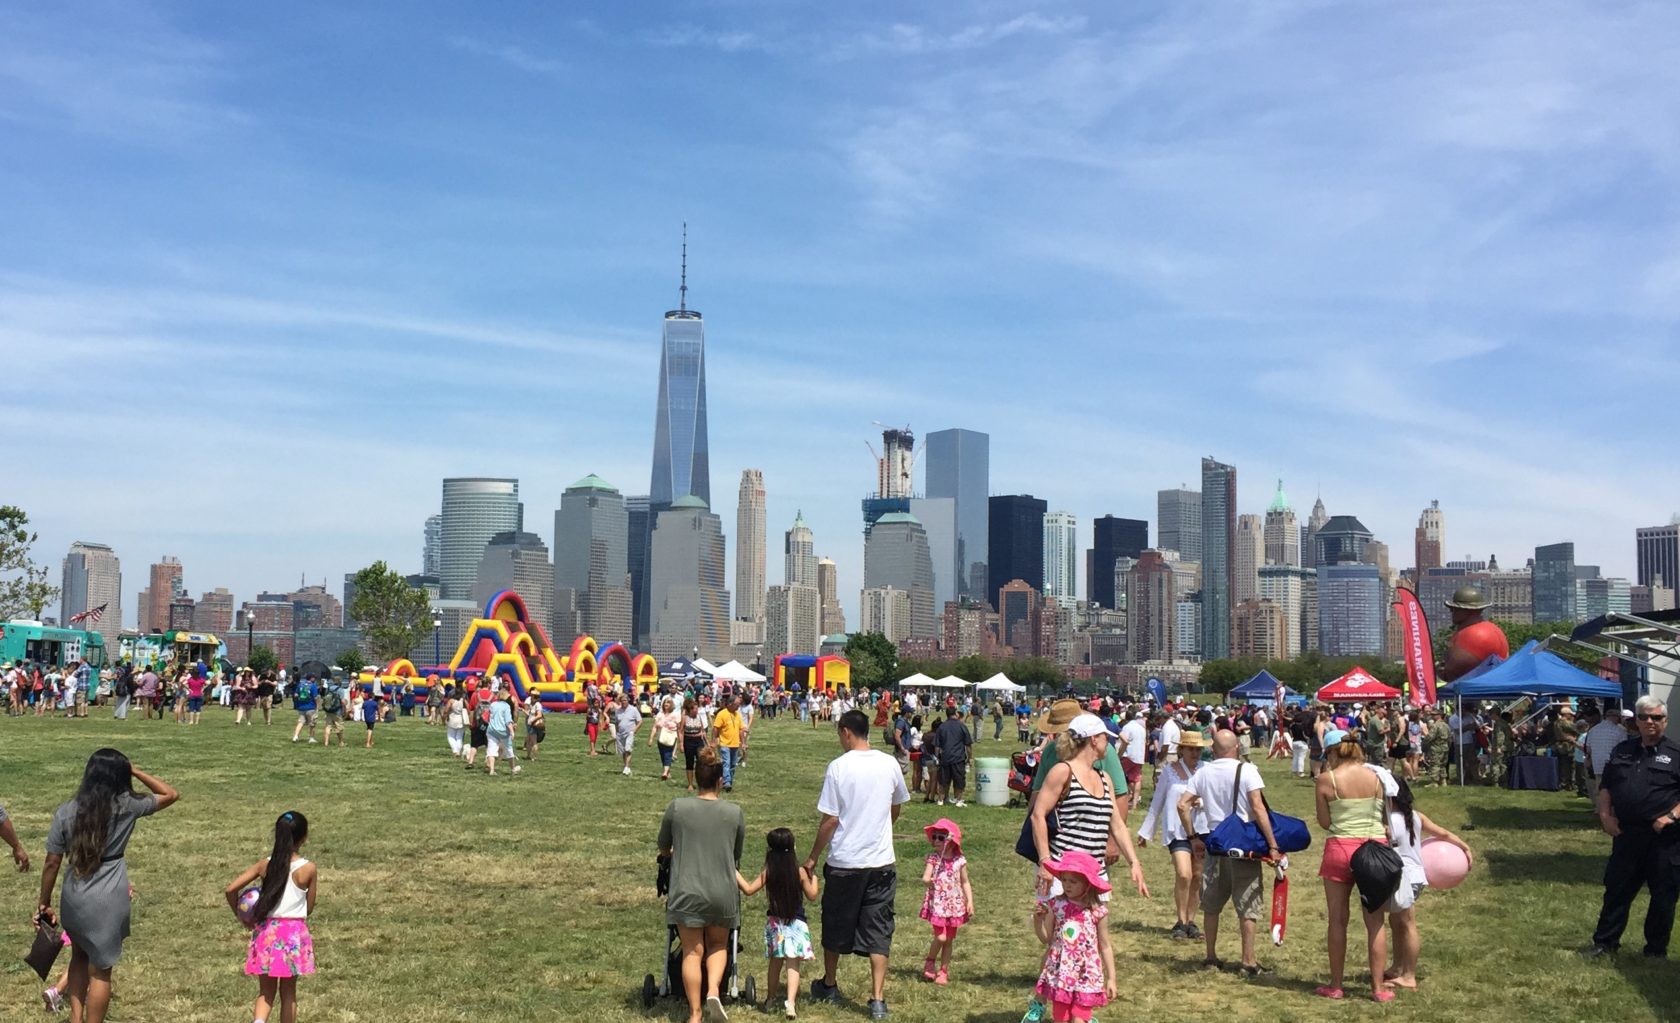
1080 795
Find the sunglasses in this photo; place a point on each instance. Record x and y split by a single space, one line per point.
1653 717
938 836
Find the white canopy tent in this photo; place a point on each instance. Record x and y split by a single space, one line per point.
1001 683
735 671
950 682
704 666
916 681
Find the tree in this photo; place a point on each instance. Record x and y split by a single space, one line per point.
393 615
24 591
873 658
262 659
350 660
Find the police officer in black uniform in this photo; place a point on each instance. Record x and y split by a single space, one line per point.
1638 802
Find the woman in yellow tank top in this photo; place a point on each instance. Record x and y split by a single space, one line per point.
1350 809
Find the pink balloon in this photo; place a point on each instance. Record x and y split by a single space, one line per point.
1444 864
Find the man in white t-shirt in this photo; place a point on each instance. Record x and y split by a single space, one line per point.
861 795
1134 743
1225 785
1170 730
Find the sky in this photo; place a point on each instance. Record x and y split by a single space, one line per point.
269 273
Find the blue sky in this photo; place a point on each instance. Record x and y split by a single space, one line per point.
268 273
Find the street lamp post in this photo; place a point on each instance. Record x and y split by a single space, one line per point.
437 635
250 631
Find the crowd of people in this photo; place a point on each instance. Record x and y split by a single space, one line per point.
1090 762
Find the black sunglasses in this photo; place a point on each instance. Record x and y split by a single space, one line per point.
1653 717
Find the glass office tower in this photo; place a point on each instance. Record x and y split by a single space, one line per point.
958 467
681 458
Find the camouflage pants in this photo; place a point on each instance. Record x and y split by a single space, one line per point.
1439 771
1499 764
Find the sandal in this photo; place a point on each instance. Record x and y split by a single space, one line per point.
1382 996
1326 991
1256 970
1213 964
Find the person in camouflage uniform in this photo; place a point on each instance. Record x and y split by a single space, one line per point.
1504 746
1436 741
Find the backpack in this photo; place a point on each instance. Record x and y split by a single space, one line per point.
304 693
332 702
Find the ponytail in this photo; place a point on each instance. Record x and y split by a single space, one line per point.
289 832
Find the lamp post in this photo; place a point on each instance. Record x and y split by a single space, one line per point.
437 635
250 631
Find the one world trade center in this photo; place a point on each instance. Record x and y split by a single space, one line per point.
681 460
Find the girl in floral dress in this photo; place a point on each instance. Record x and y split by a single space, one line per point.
281 949
787 936
1078 970
949 902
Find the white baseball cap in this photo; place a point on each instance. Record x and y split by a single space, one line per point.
1087 725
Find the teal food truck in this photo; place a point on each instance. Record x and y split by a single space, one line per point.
49 645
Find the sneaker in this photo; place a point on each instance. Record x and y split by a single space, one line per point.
515 768
53 1000
1177 933
958 802
825 992
1598 952
941 978
1192 932
788 1008
877 1008
939 802
929 969
627 772
714 1011
1035 1011
312 742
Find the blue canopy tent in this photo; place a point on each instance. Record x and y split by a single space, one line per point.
1261 687
1530 671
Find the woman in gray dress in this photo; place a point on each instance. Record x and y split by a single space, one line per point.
702 836
93 831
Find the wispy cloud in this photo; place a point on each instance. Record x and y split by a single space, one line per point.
507 53
904 38
722 40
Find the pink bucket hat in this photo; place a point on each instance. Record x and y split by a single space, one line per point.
1084 864
947 825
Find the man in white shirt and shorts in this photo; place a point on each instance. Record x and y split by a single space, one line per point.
862 792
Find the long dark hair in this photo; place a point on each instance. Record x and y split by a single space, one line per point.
1401 801
290 829
781 875
108 776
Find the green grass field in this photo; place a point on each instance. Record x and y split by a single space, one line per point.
453 896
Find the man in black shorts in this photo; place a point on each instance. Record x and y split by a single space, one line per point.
953 740
862 793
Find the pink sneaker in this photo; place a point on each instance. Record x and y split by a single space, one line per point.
941 979
928 972
54 1000
1326 991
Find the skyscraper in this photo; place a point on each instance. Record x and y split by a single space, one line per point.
681 455
896 554
518 561
1309 538
894 467
833 621
1258 629
1111 539
1430 539
641 514
938 515
959 467
1246 558
475 508
1283 536
1151 608
162 588
1178 522
1658 555
750 548
1015 543
1061 556
1019 618
1219 529
792 617
92 578
1341 539
214 612
431 550
799 551
1287 586
1554 583
886 610
592 594
688 602
1352 610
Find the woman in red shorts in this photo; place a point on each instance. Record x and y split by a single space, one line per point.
1350 809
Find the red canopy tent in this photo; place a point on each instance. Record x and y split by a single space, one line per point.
1357 684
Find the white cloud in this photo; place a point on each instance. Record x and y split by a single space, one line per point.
509 54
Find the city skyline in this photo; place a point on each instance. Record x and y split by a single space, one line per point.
385 288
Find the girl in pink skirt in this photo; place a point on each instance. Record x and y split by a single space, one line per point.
1078 970
949 902
281 949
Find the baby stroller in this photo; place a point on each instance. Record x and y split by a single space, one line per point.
1022 767
669 981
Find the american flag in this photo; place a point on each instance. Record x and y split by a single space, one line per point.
91 615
